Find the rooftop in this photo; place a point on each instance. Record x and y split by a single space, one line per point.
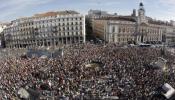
122 18
158 22
55 13
133 19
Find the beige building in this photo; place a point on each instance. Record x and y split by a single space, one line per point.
47 29
134 28
170 39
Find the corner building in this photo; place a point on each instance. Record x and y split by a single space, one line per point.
46 29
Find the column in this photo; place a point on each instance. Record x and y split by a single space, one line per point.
84 30
78 39
54 42
66 41
70 40
62 40
42 44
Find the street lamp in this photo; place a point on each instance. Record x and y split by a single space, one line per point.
165 72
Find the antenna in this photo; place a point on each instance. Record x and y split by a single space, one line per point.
99 3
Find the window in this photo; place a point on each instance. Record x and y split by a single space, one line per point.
123 30
76 28
80 27
113 29
119 30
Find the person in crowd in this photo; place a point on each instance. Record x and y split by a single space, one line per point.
123 72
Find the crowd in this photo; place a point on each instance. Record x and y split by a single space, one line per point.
122 72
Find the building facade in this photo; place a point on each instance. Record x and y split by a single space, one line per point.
133 28
95 14
47 29
170 39
2 27
92 15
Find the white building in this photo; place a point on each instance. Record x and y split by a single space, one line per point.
47 29
2 27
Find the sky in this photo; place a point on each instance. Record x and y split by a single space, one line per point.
157 9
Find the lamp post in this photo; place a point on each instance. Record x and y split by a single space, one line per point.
165 72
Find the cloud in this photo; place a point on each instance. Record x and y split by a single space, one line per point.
13 7
168 6
167 2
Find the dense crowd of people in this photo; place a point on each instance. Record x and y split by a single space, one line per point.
88 71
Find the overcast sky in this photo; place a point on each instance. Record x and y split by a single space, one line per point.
12 9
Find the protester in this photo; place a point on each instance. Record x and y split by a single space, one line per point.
123 72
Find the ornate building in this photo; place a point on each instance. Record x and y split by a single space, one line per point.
47 29
2 27
134 28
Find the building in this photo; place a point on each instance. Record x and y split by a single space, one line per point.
46 29
2 27
92 15
95 14
132 28
170 39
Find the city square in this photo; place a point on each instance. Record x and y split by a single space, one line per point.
67 55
